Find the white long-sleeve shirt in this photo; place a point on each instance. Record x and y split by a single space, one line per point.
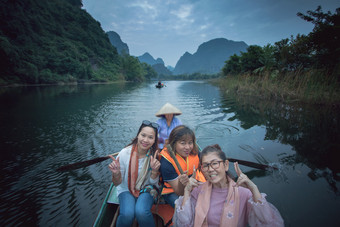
124 159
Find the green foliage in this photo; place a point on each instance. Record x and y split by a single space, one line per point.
193 76
252 59
51 41
318 50
149 71
132 69
232 66
325 37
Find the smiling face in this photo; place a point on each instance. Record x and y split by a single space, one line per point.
217 175
184 146
146 138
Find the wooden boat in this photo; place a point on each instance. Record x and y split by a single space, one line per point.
109 211
159 85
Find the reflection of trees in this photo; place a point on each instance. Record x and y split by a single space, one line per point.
313 131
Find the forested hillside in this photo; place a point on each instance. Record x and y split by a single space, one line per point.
51 41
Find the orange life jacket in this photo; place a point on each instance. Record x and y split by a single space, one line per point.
187 165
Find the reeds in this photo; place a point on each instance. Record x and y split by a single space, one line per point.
312 87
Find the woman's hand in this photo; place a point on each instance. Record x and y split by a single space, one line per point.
192 182
155 165
244 181
183 178
114 166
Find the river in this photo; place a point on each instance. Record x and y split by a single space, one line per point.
45 127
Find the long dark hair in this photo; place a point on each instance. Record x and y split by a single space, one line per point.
217 149
178 133
154 147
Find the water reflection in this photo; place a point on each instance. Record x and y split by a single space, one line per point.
42 128
313 132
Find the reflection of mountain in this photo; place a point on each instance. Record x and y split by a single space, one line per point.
313 132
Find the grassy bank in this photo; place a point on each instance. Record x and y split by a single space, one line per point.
309 87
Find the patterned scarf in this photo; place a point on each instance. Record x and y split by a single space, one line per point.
135 180
230 209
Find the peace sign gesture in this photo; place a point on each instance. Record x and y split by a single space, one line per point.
245 182
114 166
154 163
192 183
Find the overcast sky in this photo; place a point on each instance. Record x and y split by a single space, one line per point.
168 28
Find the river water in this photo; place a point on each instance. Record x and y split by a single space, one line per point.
43 128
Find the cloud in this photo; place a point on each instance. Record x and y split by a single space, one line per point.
183 13
169 28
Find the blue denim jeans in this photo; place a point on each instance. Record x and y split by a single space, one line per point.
132 207
170 198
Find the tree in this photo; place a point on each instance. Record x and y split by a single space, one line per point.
131 68
232 66
252 59
325 37
149 71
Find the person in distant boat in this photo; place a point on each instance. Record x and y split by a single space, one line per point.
220 201
135 172
182 143
167 122
159 83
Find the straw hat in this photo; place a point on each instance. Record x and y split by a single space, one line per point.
168 109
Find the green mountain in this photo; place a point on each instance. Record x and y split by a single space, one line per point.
52 41
116 41
148 59
210 57
156 64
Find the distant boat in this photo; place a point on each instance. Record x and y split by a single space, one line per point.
159 85
109 211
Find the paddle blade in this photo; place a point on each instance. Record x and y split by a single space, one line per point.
79 165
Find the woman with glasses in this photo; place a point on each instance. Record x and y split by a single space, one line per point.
182 142
222 202
167 122
135 174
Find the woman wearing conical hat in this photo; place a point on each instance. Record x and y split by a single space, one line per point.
167 122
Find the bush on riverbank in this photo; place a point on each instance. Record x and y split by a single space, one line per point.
309 87
305 68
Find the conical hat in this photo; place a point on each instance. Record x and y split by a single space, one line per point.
168 109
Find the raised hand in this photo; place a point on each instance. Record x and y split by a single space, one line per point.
114 166
154 163
192 182
183 178
244 181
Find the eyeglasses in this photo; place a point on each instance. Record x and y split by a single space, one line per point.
149 123
214 164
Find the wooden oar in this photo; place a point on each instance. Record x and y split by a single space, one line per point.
252 164
82 164
247 163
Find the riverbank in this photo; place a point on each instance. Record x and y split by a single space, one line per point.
64 83
310 87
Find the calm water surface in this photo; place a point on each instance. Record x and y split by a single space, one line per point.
43 128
